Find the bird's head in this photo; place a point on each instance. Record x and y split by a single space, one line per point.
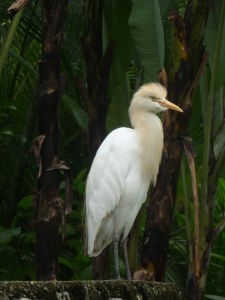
151 97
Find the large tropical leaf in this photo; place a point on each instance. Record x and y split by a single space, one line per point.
210 40
116 15
214 297
166 7
147 32
78 113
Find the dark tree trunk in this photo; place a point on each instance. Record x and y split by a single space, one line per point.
188 60
47 202
95 96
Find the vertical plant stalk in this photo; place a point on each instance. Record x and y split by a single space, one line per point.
48 205
208 124
98 65
187 217
210 171
188 147
188 61
7 43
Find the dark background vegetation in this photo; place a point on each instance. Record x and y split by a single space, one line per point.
140 39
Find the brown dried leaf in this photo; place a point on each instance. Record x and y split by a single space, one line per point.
143 275
59 166
17 6
39 169
62 165
37 144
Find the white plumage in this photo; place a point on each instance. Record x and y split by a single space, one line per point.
121 172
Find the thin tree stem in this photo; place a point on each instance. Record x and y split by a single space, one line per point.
187 216
187 147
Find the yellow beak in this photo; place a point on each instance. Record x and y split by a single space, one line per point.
170 105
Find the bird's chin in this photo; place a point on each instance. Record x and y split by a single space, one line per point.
162 109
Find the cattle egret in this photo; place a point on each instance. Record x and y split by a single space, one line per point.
123 168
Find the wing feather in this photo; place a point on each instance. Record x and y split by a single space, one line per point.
104 188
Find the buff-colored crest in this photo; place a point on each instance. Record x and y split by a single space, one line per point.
155 90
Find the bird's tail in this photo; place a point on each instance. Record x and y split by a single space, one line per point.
87 233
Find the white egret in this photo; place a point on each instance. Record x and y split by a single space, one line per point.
124 166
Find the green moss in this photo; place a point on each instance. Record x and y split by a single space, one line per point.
74 290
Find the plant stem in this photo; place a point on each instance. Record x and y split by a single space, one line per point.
187 216
7 43
187 147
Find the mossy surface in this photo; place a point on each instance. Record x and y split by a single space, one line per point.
102 289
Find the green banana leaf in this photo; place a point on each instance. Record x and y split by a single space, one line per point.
210 41
116 14
147 32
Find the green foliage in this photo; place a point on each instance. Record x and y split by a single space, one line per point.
74 264
147 32
17 256
116 29
77 112
141 33
6 44
6 235
210 40
214 297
